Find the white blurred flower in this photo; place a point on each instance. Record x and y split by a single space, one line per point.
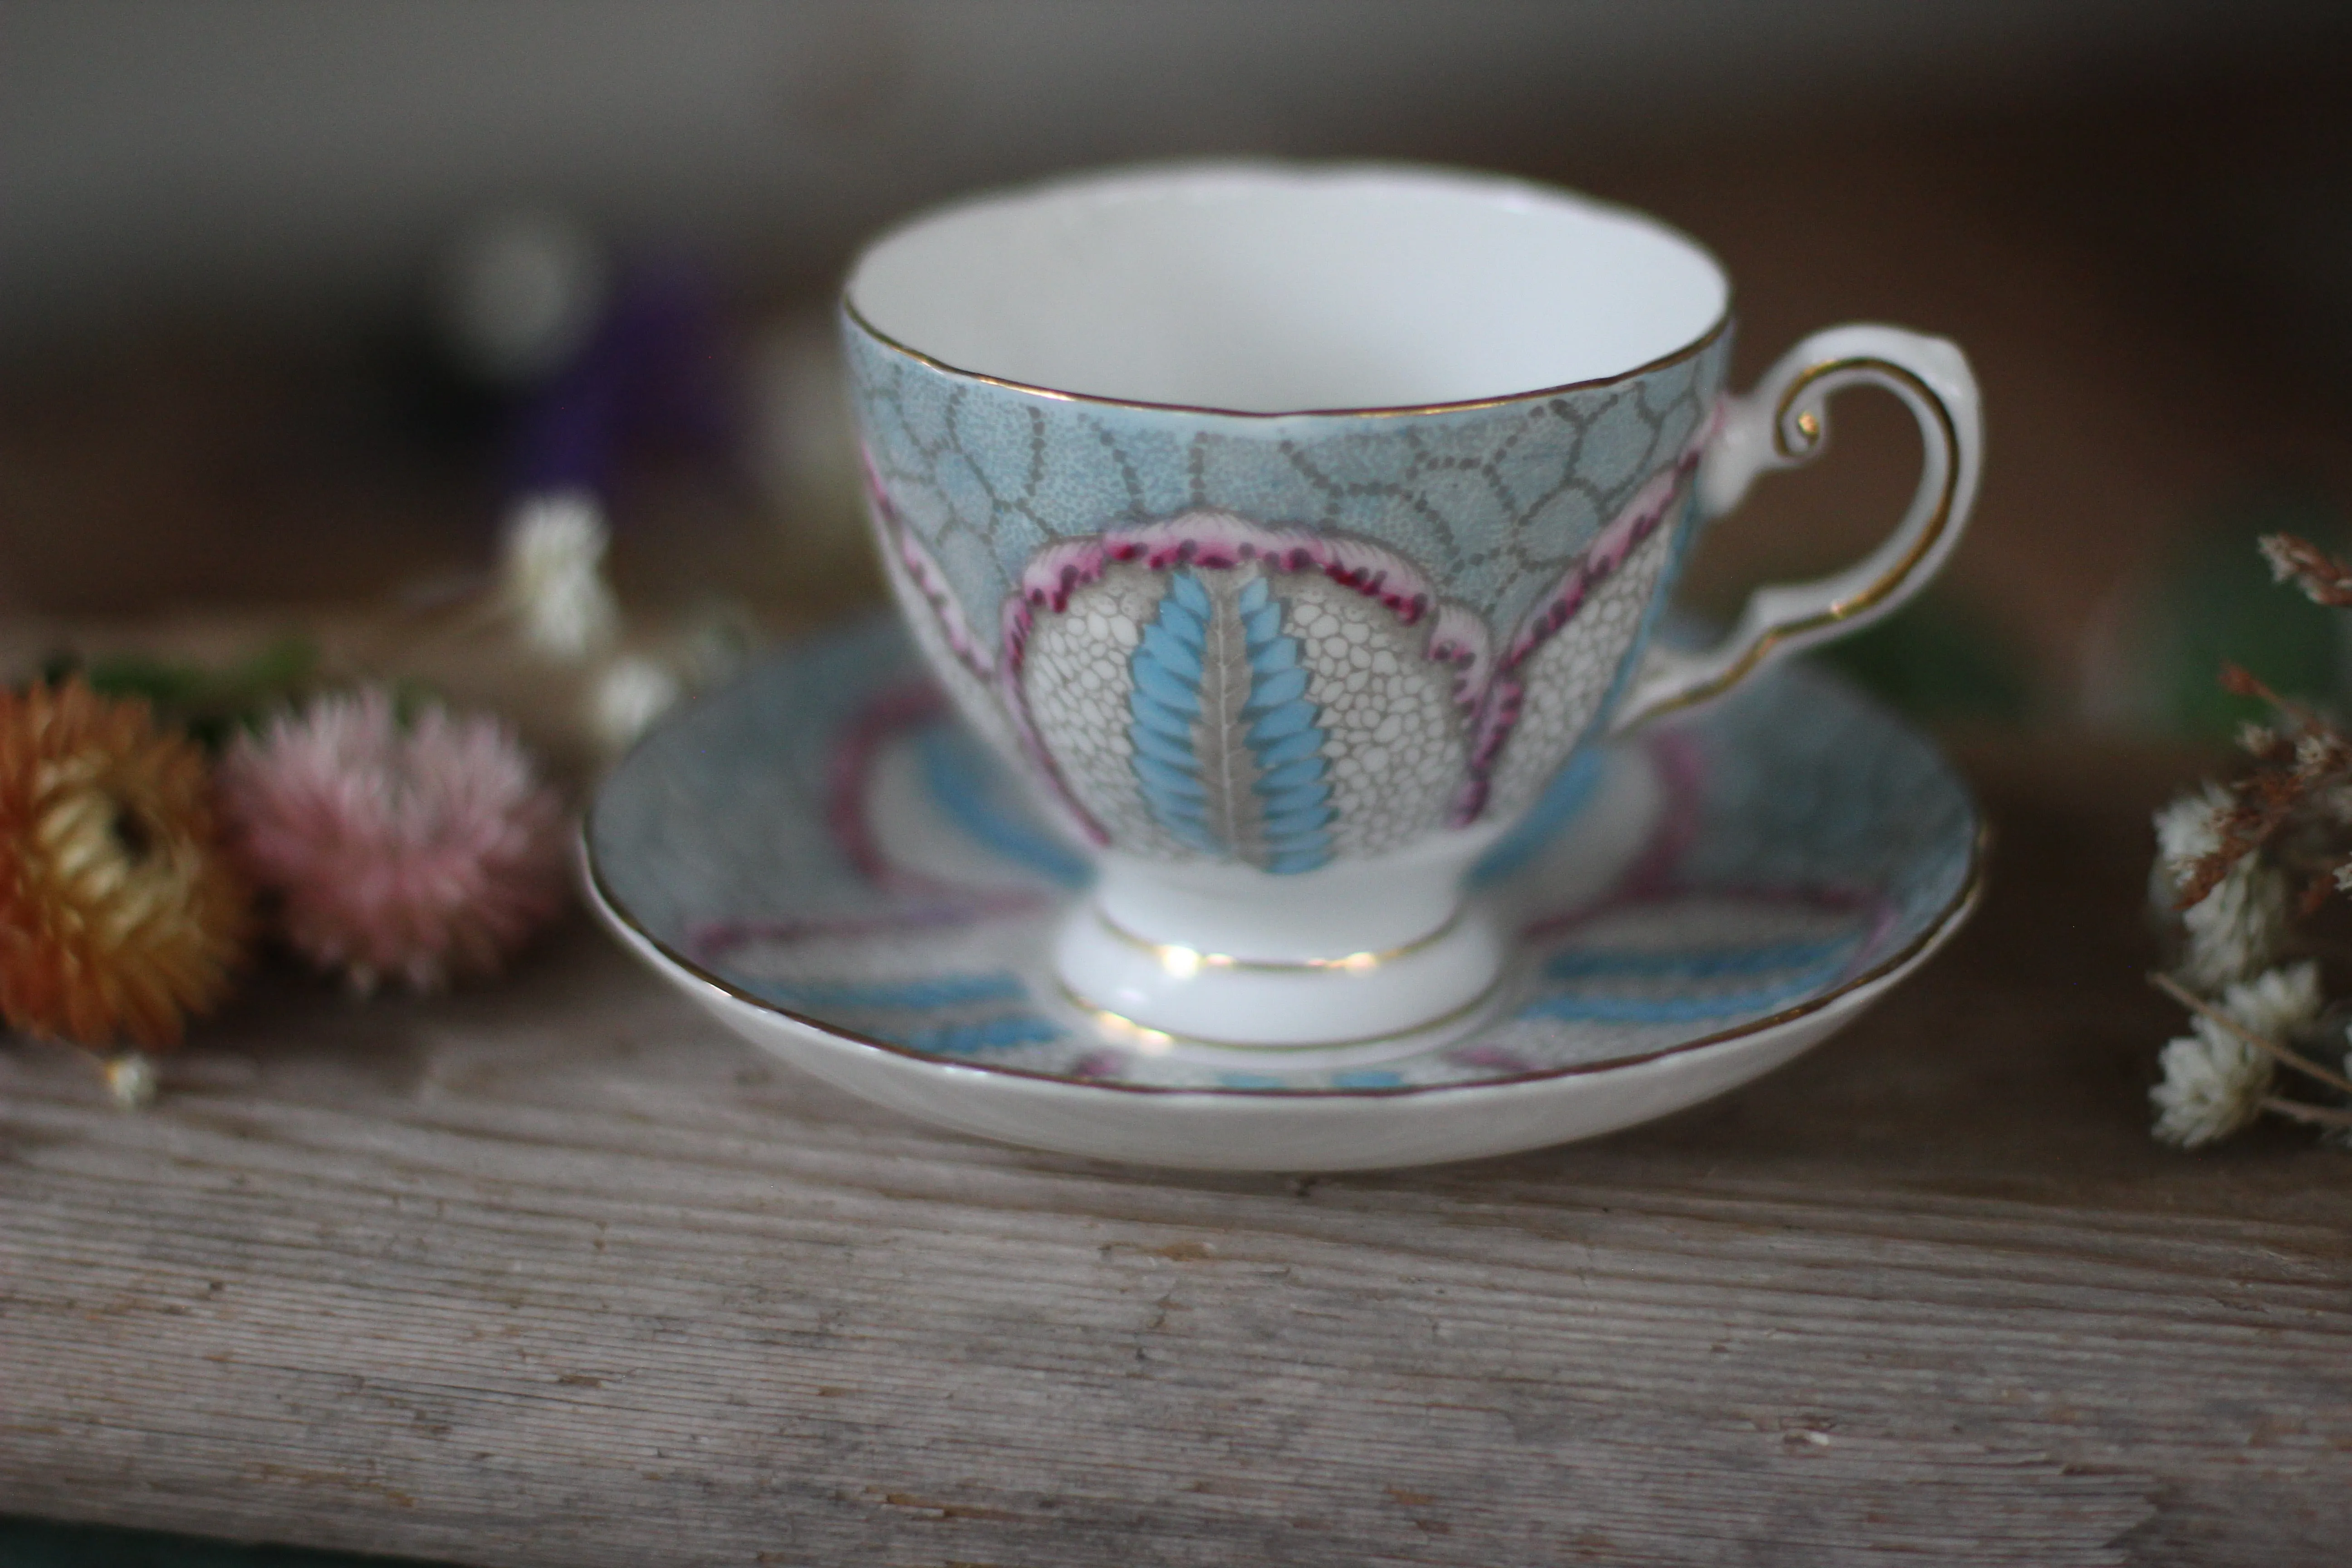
632 692
2213 1084
2190 829
2277 1006
2213 1081
552 576
131 1079
2240 927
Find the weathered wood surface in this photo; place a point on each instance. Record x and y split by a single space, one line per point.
554 1273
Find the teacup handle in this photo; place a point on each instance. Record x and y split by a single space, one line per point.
1783 423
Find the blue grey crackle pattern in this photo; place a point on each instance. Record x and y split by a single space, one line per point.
1492 503
1842 787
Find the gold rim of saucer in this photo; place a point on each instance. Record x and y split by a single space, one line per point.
1945 920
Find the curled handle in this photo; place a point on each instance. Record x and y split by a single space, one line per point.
1783 423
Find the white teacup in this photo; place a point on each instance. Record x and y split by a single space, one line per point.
1289 527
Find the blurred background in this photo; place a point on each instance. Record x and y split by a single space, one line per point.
295 298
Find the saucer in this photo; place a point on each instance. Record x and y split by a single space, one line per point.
822 857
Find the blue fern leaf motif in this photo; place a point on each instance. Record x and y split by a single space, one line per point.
1164 707
1227 745
1286 740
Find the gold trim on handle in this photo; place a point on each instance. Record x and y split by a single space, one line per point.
1808 430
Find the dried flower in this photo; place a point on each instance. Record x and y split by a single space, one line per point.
2238 929
119 914
2215 1083
2277 1006
2323 579
421 853
2187 830
552 578
2238 863
2238 925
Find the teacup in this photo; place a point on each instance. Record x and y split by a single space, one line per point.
1291 526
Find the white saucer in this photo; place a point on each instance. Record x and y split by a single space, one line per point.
822 858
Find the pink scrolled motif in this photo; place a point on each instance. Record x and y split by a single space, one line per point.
1458 637
932 584
924 573
1219 539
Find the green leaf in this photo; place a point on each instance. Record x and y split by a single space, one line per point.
210 703
1938 659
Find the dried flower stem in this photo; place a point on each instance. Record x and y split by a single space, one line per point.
413 633
2204 1009
2301 1110
2240 681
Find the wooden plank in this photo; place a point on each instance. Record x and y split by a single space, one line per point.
554 1273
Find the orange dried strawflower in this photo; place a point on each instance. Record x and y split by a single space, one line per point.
118 915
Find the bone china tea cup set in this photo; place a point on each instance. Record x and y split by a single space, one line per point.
1293 540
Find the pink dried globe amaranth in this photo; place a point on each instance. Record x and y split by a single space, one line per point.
424 852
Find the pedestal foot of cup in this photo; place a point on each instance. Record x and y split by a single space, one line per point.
1345 1001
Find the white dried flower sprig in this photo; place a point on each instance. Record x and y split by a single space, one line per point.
2239 927
636 686
2219 1078
131 1079
2189 829
551 575
630 693
2237 865
550 594
2323 579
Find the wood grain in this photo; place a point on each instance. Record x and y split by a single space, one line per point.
552 1273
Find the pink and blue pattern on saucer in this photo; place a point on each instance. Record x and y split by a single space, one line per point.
822 842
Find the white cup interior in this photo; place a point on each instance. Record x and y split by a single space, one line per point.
1266 289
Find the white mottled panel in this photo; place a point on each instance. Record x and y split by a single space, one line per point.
1568 677
1076 682
1394 736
